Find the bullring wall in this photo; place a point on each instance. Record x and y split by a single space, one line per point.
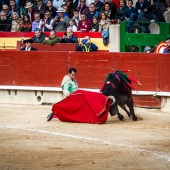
35 77
48 68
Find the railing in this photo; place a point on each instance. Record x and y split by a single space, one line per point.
48 47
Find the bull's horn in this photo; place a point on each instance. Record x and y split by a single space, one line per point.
112 98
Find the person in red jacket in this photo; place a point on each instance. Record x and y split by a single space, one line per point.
84 24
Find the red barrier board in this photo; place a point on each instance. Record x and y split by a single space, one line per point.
48 68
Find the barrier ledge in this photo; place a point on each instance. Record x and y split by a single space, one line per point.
30 88
153 93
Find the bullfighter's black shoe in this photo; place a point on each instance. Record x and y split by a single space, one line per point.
49 117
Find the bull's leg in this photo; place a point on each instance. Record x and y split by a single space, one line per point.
131 109
120 116
128 113
113 110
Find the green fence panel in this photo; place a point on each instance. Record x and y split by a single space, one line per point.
142 39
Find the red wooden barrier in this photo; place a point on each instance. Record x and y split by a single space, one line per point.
48 68
32 68
96 66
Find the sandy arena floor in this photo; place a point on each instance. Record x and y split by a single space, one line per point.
28 141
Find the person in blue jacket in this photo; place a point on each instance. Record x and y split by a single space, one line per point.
92 12
144 8
86 45
131 14
68 37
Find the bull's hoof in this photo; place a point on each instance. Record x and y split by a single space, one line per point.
112 114
134 118
121 117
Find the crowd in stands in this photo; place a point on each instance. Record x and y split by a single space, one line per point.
85 45
80 15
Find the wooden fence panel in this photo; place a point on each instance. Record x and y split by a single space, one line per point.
48 68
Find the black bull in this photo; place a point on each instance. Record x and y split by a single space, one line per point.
118 87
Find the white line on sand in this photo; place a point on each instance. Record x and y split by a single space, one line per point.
157 155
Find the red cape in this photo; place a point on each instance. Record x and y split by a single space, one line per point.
83 107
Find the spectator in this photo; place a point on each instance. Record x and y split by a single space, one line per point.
61 22
66 10
38 37
70 7
88 2
19 2
131 14
58 3
28 47
110 13
26 24
161 5
143 7
64 7
120 14
30 10
5 8
112 7
92 12
159 8
167 49
69 84
5 24
95 25
76 16
132 48
52 39
167 12
82 8
46 22
140 25
98 5
84 24
13 7
40 7
116 2
69 37
149 49
36 22
16 22
51 8
104 27
72 25
86 45
76 3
